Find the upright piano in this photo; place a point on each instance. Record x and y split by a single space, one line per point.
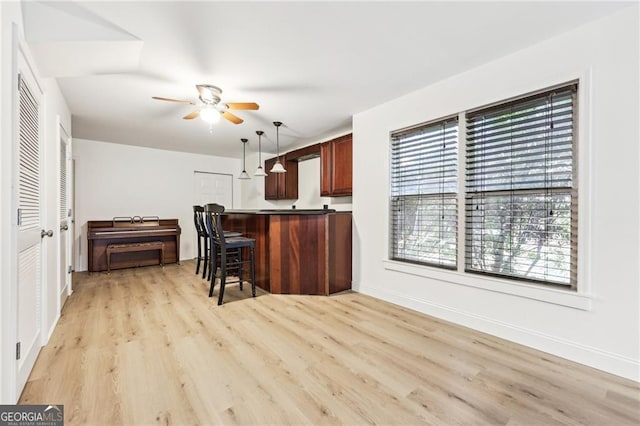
130 230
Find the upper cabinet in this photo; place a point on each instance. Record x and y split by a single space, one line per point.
281 186
336 167
336 159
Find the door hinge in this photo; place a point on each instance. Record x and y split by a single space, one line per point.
69 270
19 217
18 350
69 213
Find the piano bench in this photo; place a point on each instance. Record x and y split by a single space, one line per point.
133 247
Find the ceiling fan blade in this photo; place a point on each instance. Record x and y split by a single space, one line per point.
173 100
192 115
243 105
232 118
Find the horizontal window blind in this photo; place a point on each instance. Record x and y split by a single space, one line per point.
521 215
423 194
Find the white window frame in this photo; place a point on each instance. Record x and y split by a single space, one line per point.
392 236
581 297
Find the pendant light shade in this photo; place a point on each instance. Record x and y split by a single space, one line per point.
277 167
244 174
260 171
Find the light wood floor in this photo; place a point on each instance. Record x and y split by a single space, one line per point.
147 346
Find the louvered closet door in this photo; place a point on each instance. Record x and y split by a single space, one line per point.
29 227
64 280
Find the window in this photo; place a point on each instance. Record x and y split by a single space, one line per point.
521 197
424 194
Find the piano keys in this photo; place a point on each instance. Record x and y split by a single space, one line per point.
101 233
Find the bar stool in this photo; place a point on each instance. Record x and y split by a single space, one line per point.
214 253
203 239
230 252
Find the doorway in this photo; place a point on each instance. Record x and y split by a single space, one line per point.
213 188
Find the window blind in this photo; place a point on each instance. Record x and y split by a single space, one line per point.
424 181
521 215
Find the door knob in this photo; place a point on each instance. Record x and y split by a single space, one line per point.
44 233
64 228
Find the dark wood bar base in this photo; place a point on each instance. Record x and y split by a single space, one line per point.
298 253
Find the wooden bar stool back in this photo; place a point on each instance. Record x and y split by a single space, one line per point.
231 262
203 239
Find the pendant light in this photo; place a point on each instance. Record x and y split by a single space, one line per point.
260 171
244 174
277 168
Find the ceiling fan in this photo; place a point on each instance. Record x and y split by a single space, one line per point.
211 108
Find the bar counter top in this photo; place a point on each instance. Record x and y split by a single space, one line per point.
283 211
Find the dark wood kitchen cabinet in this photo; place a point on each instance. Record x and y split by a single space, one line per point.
336 171
281 186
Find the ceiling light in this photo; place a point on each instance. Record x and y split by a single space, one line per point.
209 114
277 168
260 171
244 174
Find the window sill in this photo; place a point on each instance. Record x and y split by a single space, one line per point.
529 291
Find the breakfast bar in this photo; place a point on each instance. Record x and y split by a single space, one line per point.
297 251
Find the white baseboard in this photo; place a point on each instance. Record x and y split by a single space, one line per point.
63 296
51 329
602 360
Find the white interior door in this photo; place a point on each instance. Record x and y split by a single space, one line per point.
30 232
213 188
64 252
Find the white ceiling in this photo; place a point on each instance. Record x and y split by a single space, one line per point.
309 65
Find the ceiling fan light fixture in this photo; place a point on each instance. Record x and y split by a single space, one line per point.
211 108
210 115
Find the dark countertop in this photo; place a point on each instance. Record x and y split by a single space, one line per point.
284 211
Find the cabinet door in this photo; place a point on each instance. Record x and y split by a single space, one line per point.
342 166
325 169
280 178
289 180
270 181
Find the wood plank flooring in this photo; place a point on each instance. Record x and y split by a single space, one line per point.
147 346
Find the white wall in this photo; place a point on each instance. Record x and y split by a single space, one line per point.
122 180
308 187
600 325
